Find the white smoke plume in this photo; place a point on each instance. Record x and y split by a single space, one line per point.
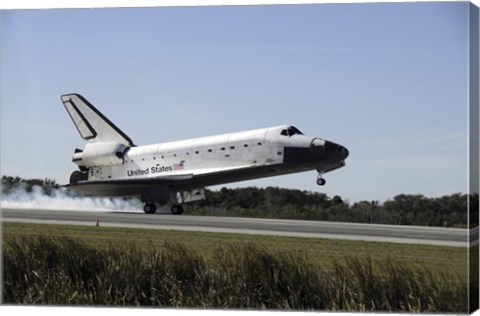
60 199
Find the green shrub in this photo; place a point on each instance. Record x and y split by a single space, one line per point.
61 271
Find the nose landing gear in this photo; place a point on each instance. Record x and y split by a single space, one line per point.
321 180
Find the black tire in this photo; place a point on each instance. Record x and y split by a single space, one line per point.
177 210
149 208
321 181
180 210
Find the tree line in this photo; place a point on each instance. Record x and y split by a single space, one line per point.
403 209
273 202
47 186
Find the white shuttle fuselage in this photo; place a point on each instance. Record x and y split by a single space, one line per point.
177 172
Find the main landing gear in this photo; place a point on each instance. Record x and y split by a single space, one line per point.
177 209
150 208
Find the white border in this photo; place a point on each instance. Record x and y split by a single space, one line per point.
60 4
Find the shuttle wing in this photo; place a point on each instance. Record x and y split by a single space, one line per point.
184 181
128 187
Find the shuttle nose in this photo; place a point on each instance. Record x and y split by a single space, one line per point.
343 152
336 149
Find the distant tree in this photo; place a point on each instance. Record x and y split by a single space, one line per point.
10 183
274 202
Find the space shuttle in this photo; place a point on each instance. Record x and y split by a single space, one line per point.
177 172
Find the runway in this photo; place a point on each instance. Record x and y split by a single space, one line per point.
294 228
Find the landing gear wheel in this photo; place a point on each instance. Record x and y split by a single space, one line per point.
150 208
177 209
321 181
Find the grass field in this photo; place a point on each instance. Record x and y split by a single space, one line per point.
231 270
319 251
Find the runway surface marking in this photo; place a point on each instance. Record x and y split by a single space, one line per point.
274 227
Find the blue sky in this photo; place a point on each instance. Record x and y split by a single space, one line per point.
387 81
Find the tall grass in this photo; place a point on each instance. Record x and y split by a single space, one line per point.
61 271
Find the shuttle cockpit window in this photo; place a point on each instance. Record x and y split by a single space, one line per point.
291 130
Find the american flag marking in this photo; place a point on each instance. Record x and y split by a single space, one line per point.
178 166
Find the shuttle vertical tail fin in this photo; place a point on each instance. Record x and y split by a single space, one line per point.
92 125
